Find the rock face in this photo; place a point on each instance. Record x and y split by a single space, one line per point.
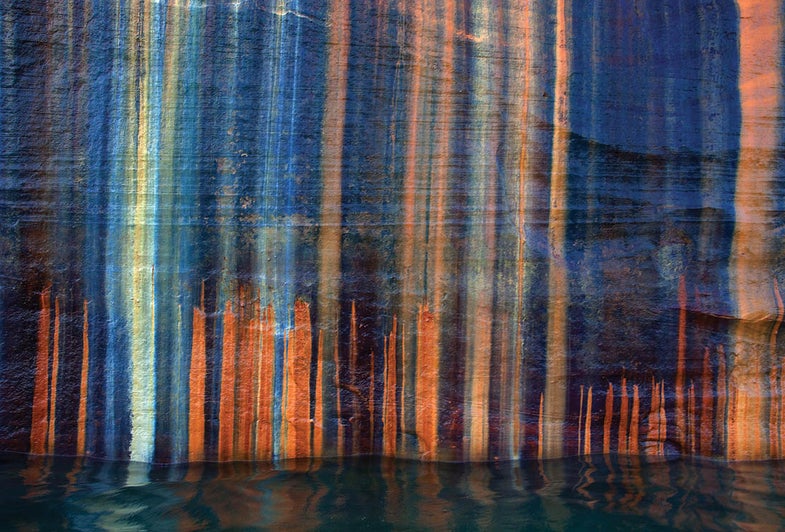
442 229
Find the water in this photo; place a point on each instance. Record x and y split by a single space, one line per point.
378 494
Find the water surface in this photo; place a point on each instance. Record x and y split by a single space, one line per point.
377 494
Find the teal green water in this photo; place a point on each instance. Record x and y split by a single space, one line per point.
376 494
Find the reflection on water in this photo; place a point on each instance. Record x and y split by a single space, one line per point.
375 493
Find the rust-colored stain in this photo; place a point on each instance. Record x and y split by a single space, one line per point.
50 445
587 425
249 348
196 388
226 414
633 447
427 385
297 385
680 363
81 423
415 230
606 430
40 422
624 413
390 401
318 415
265 398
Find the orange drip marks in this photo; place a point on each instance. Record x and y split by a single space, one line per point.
653 425
264 410
443 129
341 430
389 403
680 363
623 418
663 430
297 385
404 366
288 441
318 416
707 404
691 419
606 433
196 387
40 419
227 399
427 384
634 445
587 425
50 446
580 419
249 334
540 428
81 422
255 370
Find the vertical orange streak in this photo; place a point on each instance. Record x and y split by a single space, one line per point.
558 292
653 435
389 414
340 437
41 387
438 242
441 155
651 421
720 415
427 385
226 405
580 420
196 387
680 363
634 445
663 419
81 423
691 420
332 150
411 238
355 416
258 319
540 428
410 176
333 125
707 402
404 367
299 383
523 162
245 366
288 433
50 447
623 418
264 398
318 415
760 79
587 426
775 395
752 257
606 434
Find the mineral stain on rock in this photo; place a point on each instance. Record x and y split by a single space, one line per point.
449 230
